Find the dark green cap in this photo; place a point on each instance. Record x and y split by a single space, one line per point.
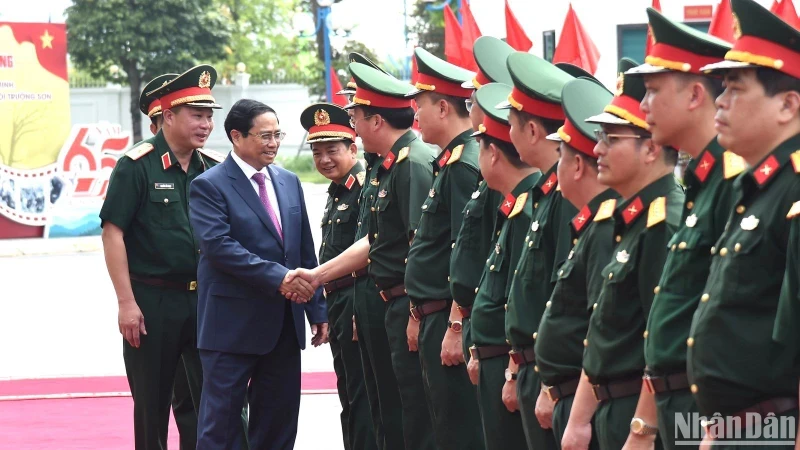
350 89
149 105
762 40
537 86
582 98
378 89
495 121
576 72
678 47
437 75
327 122
490 54
624 107
191 88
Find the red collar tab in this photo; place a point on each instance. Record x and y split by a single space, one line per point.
166 162
766 170
444 158
508 204
550 184
704 166
632 211
389 160
350 181
583 217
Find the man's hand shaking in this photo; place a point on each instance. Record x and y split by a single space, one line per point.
299 285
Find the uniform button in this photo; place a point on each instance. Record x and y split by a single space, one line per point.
657 290
491 267
536 205
690 341
673 247
527 238
585 342
536 368
453 245
405 260
713 250
369 261
508 342
515 271
329 222
689 205
561 272
704 298
737 247
530 244
535 335
415 230
448 278
498 233
618 238
323 244
338 220
611 275
487 260
740 209
682 245
372 209
574 241
505 306
645 334
336 199
694 389
594 306
435 173
424 206
547 305
476 290
198 252
166 200
571 254
723 251
375 235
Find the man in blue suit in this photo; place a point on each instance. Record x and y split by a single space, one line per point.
251 223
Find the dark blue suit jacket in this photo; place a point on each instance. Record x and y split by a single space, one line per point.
243 262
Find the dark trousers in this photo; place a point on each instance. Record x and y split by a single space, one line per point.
779 435
669 404
451 396
612 422
273 394
183 409
376 362
561 418
170 318
357 431
501 429
528 387
417 428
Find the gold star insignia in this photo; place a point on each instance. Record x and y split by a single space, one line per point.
47 40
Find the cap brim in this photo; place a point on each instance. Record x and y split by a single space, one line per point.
468 85
554 137
646 69
350 105
415 93
477 133
203 105
346 92
608 118
503 105
725 65
327 139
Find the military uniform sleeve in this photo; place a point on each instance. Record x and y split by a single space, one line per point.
651 259
598 254
414 182
126 188
788 314
463 179
514 244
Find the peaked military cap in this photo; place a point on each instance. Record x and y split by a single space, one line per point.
762 40
148 104
537 86
624 107
678 47
437 75
327 122
191 88
490 54
582 98
576 72
350 89
495 121
378 89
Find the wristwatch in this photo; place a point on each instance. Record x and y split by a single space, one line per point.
641 428
510 376
455 325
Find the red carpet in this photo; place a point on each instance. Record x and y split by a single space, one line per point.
51 413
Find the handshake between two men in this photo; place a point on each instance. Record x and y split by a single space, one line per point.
299 285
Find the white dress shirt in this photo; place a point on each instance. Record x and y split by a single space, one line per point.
249 171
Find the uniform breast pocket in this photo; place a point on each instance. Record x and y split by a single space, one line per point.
429 209
619 285
752 255
495 266
165 210
344 228
534 262
383 210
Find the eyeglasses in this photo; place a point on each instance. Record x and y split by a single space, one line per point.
266 137
354 122
606 138
468 102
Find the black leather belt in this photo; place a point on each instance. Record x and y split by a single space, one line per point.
666 383
488 351
429 307
345 281
617 389
523 356
561 390
465 311
393 292
169 284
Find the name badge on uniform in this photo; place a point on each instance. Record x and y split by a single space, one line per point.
623 256
343 207
749 223
165 185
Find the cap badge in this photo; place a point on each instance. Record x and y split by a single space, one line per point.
620 84
652 35
205 80
737 28
321 117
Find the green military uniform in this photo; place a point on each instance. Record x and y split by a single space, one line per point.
148 199
559 339
709 190
502 429
404 179
537 91
643 226
330 123
449 392
182 405
735 362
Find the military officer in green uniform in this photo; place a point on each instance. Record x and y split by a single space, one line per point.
736 365
503 171
559 338
151 253
477 223
535 112
334 151
645 219
672 71
383 117
435 321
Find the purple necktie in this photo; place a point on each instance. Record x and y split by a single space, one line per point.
262 194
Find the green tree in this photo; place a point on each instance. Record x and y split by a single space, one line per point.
144 38
428 28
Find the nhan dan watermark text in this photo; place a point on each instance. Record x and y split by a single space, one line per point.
747 429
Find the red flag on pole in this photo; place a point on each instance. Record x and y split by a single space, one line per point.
452 38
336 86
575 46
515 35
722 22
469 33
785 10
649 43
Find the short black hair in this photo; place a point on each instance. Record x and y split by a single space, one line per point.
588 160
457 103
154 119
506 147
242 113
775 82
712 84
397 118
550 125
